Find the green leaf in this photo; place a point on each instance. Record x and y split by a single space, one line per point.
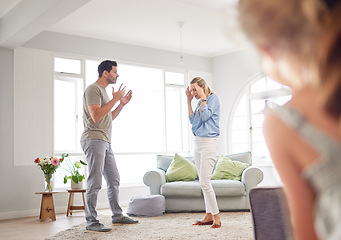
65 179
75 179
83 162
78 165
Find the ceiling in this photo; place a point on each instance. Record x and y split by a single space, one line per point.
210 27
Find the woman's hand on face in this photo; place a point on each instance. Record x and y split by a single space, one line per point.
200 91
189 94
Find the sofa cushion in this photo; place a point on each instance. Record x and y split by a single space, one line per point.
193 189
244 157
228 188
228 169
183 189
163 161
181 170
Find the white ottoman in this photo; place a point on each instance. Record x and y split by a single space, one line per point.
146 206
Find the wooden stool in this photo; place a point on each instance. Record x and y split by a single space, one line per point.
47 206
70 206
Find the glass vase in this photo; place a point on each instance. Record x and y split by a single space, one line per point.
48 182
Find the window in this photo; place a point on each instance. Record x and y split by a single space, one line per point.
177 123
65 65
175 78
140 126
240 130
68 91
68 111
154 121
247 119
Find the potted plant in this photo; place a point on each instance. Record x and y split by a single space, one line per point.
73 169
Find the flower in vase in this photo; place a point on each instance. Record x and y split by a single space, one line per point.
48 165
55 161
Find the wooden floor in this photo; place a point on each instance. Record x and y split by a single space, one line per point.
32 228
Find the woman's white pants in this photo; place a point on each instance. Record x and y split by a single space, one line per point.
205 154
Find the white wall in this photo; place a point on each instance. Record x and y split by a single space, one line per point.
33 95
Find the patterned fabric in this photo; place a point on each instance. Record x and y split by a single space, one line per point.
324 175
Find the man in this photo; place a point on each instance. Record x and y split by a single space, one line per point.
96 145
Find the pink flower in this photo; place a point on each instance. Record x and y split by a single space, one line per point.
55 161
37 160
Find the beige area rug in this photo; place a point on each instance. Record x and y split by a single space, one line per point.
172 226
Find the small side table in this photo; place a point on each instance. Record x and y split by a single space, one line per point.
70 206
47 206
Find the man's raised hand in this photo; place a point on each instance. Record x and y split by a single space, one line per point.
119 94
127 97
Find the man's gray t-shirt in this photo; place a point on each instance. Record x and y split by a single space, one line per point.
95 94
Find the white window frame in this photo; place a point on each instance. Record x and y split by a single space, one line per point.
71 77
246 90
62 76
181 89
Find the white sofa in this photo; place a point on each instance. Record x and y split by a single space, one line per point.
186 196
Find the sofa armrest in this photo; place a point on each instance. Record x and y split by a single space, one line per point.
154 179
251 177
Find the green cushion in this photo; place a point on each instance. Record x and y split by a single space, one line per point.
181 169
228 169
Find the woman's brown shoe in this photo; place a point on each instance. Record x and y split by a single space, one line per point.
216 225
203 223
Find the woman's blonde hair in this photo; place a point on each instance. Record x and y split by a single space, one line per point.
201 82
309 34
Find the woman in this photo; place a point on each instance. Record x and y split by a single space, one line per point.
299 42
205 127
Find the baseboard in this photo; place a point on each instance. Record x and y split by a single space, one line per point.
59 210
19 214
127 193
28 213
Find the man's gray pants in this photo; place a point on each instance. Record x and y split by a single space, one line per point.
101 161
